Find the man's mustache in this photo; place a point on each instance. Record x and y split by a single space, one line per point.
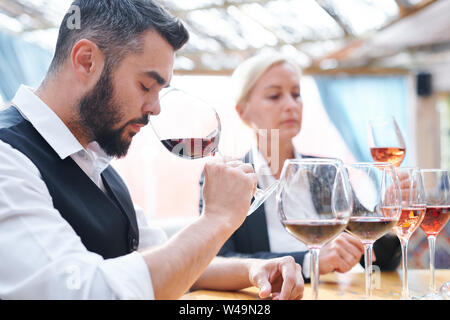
143 121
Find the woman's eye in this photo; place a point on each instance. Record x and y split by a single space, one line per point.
145 88
274 97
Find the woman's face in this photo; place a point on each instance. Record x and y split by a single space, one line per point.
275 103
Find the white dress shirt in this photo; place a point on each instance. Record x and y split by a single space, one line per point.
279 239
41 256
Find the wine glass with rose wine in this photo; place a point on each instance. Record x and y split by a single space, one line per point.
376 206
386 141
413 212
190 128
314 204
437 196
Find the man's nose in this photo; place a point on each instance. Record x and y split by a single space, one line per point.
153 107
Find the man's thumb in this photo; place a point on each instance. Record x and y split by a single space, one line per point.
264 288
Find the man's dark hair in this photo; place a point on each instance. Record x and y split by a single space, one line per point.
116 26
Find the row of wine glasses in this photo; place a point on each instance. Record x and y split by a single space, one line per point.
426 206
363 198
425 203
360 198
366 199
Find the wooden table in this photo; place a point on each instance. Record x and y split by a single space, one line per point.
348 286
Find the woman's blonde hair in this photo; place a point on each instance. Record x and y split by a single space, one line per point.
248 72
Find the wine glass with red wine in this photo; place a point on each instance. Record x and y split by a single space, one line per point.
413 212
386 141
190 128
376 207
437 196
314 204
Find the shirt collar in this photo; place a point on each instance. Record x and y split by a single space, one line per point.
51 127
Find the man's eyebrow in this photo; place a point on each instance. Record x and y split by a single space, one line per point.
156 76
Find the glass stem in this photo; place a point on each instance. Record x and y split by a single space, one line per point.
368 265
315 272
432 246
405 290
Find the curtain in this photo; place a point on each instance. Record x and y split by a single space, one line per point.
351 102
21 62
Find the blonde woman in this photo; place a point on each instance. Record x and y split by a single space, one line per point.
268 100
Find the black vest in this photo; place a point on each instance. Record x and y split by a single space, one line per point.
106 224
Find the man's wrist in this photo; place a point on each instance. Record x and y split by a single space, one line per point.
224 219
219 222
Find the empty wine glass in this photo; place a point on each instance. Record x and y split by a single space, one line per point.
437 196
376 206
314 204
190 128
386 141
413 211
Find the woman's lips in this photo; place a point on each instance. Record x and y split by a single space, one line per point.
289 122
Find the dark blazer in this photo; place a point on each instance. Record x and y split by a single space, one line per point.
251 240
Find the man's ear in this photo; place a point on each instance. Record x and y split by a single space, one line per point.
87 61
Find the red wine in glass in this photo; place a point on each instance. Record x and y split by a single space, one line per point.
190 128
435 219
370 229
192 148
329 216
315 233
376 209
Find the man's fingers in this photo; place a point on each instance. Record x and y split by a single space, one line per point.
247 168
292 285
349 251
281 277
353 241
265 288
353 253
300 283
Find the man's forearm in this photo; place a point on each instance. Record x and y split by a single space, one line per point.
175 266
225 274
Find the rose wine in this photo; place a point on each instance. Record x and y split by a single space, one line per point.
435 219
369 229
314 232
409 221
192 148
392 155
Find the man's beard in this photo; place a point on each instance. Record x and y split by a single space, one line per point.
99 113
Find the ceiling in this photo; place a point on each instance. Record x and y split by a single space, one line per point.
322 35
